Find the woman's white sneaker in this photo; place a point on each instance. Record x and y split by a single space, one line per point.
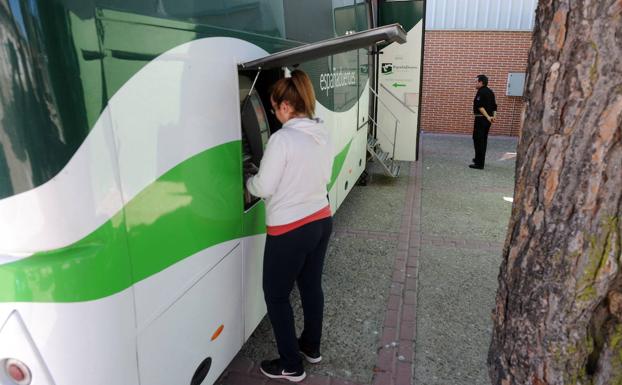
312 356
311 359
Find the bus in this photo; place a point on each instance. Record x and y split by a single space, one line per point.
129 250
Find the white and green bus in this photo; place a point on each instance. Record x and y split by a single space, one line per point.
129 252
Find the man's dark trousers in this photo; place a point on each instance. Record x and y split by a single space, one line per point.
480 139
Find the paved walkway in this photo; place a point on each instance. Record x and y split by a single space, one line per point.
388 235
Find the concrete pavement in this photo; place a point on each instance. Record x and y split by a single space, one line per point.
411 259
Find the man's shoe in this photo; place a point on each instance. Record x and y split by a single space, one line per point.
273 369
476 167
312 356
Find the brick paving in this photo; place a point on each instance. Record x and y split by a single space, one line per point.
395 361
394 365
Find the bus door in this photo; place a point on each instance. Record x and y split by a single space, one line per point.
255 130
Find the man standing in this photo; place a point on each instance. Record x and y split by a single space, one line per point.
485 111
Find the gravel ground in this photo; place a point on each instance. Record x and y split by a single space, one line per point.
457 286
456 294
357 279
377 206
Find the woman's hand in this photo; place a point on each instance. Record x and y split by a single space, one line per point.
250 168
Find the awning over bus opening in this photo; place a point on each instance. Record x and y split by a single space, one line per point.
386 34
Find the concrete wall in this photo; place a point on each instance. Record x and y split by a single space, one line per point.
452 60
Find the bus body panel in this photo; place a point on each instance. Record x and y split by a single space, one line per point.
203 323
90 342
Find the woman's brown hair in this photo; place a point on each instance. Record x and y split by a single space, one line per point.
297 91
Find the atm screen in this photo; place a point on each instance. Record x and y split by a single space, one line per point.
262 119
255 127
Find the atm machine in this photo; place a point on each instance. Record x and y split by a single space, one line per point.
255 134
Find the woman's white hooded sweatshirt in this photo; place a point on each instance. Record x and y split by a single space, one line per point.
295 170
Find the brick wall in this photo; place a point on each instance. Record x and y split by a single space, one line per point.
451 63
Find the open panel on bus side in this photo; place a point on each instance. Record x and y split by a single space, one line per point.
257 122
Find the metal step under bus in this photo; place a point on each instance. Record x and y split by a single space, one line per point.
390 167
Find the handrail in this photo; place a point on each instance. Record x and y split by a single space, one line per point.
396 98
397 121
376 126
383 103
386 136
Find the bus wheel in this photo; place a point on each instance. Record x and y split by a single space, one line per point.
363 179
201 372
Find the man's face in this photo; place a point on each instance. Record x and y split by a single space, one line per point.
479 84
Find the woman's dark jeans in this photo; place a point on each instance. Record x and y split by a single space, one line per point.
296 256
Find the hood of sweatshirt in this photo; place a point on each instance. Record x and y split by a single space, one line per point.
311 127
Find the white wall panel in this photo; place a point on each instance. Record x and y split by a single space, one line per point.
476 15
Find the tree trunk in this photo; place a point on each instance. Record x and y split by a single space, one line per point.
558 316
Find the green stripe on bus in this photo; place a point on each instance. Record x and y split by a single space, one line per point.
188 209
338 164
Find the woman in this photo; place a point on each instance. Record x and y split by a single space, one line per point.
292 177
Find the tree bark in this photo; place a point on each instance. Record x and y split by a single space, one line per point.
558 315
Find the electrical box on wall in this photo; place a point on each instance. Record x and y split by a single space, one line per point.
516 83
